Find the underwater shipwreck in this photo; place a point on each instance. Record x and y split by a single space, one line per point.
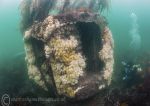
69 58
69 54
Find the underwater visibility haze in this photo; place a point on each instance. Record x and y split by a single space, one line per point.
95 51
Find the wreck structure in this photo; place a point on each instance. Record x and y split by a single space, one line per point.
69 54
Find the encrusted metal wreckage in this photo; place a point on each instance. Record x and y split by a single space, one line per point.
70 54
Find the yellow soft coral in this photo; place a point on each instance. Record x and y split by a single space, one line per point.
67 65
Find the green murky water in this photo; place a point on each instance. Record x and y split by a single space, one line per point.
11 43
10 37
120 21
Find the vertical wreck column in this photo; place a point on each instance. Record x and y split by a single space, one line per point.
69 54
78 50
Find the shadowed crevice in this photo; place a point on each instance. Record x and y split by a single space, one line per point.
91 45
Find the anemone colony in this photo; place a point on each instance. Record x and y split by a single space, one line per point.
70 51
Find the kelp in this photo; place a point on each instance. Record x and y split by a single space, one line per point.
93 5
104 4
33 11
25 12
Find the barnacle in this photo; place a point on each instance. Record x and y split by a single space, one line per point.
68 65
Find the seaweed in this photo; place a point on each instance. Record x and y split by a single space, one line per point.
25 12
33 11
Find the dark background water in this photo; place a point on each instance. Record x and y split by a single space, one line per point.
12 65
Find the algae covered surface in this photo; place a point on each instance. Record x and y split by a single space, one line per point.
27 49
